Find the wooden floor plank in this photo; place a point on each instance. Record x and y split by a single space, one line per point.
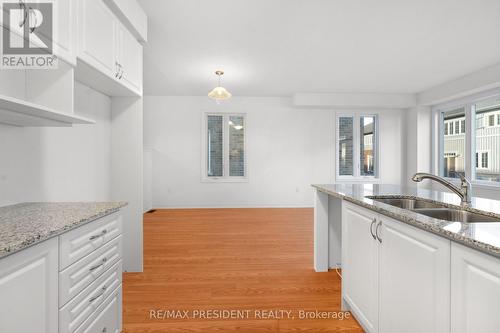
235 259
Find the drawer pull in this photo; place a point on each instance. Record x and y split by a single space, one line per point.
104 232
104 330
93 268
97 296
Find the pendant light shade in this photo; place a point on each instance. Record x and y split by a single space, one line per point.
219 93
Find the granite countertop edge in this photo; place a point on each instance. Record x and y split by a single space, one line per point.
436 228
34 237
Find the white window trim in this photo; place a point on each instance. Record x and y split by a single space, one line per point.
438 132
225 142
357 177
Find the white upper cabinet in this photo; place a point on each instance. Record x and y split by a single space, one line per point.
97 36
65 30
475 291
360 264
109 56
414 280
28 289
129 55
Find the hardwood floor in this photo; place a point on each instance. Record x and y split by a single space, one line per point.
230 259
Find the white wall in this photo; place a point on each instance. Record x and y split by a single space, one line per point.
59 164
418 143
148 180
288 149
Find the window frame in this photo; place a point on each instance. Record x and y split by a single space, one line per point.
225 152
357 177
468 103
438 138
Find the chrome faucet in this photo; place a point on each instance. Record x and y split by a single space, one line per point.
464 191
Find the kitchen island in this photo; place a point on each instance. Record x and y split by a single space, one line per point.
403 271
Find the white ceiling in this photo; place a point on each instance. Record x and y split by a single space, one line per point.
280 47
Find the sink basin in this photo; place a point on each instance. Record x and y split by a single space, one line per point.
435 210
407 203
456 215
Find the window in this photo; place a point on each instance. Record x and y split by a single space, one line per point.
346 148
474 152
491 120
453 146
486 141
357 146
484 160
224 147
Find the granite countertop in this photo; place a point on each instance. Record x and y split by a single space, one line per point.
26 224
484 237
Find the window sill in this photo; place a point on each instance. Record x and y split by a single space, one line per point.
480 184
224 180
367 180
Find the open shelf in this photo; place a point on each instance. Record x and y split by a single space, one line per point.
18 112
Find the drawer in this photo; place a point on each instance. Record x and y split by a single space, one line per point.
85 303
107 318
78 276
80 242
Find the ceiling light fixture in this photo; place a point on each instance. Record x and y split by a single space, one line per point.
219 93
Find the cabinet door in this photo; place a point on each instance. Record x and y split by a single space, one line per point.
130 58
97 36
414 280
360 265
28 289
65 30
475 291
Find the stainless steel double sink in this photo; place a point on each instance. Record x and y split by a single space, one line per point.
435 210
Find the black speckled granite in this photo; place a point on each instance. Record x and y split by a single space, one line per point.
484 237
25 224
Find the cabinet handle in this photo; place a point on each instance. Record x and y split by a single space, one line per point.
93 268
103 290
104 330
104 232
371 228
376 231
121 75
117 68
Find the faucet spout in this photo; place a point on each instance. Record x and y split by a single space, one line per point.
464 191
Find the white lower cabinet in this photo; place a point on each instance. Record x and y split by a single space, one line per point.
395 278
360 265
107 318
28 290
39 294
414 289
475 291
